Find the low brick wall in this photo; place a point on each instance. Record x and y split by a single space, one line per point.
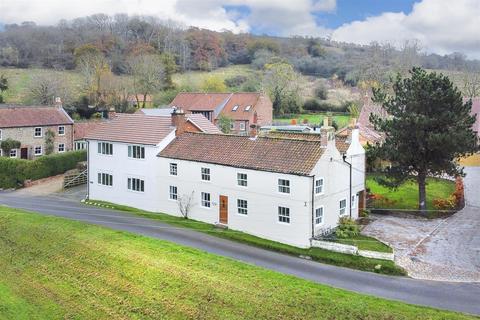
352 250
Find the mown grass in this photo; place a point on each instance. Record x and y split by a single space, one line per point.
317 254
314 119
366 243
54 268
406 196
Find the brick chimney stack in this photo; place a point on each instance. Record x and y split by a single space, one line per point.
253 130
327 133
111 113
58 102
178 121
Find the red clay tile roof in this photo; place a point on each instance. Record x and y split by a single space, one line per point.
288 156
202 123
196 101
341 142
242 100
31 116
133 128
81 129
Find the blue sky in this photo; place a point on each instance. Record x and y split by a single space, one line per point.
440 26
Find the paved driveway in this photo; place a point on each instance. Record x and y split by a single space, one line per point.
439 249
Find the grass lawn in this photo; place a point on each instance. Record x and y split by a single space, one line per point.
366 243
317 254
406 196
315 118
53 268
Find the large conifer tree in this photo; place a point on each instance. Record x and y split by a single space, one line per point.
429 127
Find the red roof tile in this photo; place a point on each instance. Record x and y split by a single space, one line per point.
202 123
133 128
81 129
288 156
242 100
195 101
31 116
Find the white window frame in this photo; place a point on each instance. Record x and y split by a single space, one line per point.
35 132
105 179
63 130
235 107
283 215
15 153
247 108
319 220
283 188
206 200
354 201
242 207
242 181
342 210
135 183
62 146
320 189
173 193
105 148
136 152
173 169
38 153
205 174
242 126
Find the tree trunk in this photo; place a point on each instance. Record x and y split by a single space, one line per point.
422 195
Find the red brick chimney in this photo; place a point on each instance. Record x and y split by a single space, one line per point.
253 130
179 121
111 113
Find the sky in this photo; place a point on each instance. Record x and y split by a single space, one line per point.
441 26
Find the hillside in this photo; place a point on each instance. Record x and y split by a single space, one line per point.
60 269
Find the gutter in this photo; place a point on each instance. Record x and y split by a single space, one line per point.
350 185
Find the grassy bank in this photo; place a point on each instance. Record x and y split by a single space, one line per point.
54 268
406 196
317 254
314 119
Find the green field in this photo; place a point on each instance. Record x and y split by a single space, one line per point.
314 119
406 196
317 254
53 268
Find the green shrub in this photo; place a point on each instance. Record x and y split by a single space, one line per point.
347 228
13 172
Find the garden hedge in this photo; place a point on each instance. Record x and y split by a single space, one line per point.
13 172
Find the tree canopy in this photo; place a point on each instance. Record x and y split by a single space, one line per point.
428 128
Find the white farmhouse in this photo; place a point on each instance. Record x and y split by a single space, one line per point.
288 189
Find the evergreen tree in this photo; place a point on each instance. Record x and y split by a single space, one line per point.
428 129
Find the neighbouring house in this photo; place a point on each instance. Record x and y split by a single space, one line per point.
30 124
475 112
136 100
279 188
81 129
244 109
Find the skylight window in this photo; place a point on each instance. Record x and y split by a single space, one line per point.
247 108
235 107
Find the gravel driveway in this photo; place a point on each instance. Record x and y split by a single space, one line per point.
439 249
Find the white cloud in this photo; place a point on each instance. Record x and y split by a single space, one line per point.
441 26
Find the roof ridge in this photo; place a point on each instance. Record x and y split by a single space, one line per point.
248 137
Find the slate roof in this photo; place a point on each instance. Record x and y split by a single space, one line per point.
133 128
32 116
289 156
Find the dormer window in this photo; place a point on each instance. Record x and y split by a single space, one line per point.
247 108
235 107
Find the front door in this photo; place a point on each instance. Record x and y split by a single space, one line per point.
223 209
24 153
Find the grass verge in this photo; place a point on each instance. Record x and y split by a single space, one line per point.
406 196
366 243
317 254
54 268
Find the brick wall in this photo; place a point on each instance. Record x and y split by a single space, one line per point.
26 136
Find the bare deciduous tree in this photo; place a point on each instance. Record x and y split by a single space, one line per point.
44 88
148 75
185 204
471 84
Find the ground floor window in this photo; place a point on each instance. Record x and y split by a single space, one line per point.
354 201
61 147
173 193
242 206
206 200
13 153
135 184
343 206
284 214
105 179
38 150
319 216
80 145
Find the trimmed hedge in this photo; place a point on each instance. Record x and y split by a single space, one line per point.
13 172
